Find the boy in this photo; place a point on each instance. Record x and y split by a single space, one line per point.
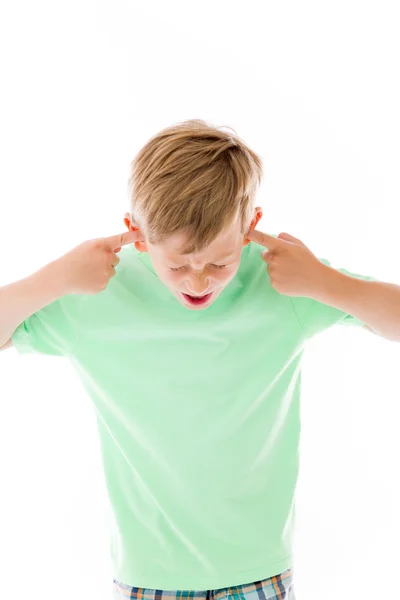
191 351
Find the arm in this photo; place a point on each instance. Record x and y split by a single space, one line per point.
21 299
295 271
376 303
85 269
6 345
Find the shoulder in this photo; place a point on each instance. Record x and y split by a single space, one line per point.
134 279
132 264
252 273
251 261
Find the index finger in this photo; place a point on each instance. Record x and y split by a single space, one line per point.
263 239
122 239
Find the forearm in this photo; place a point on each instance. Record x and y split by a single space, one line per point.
376 303
21 299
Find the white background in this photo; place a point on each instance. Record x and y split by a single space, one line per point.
313 87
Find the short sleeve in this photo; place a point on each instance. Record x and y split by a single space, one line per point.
52 330
314 317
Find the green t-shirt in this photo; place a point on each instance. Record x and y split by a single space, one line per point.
198 414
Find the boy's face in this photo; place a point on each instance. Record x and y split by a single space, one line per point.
197 279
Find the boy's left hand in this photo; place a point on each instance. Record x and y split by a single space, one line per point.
293 269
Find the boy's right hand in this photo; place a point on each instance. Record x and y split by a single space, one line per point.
87 268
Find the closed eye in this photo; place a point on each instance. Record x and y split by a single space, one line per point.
181 268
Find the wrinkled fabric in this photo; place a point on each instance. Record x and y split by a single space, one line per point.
198 414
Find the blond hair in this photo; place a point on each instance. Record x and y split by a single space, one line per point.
194 178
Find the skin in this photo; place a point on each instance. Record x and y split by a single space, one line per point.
293 270
197 274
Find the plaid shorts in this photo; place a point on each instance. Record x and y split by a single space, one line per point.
279 587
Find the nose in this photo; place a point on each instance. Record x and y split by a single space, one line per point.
198 283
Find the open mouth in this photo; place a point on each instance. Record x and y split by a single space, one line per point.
197 300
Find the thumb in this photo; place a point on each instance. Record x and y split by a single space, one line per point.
123 239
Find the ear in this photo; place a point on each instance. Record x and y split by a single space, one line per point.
258 213
131 226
